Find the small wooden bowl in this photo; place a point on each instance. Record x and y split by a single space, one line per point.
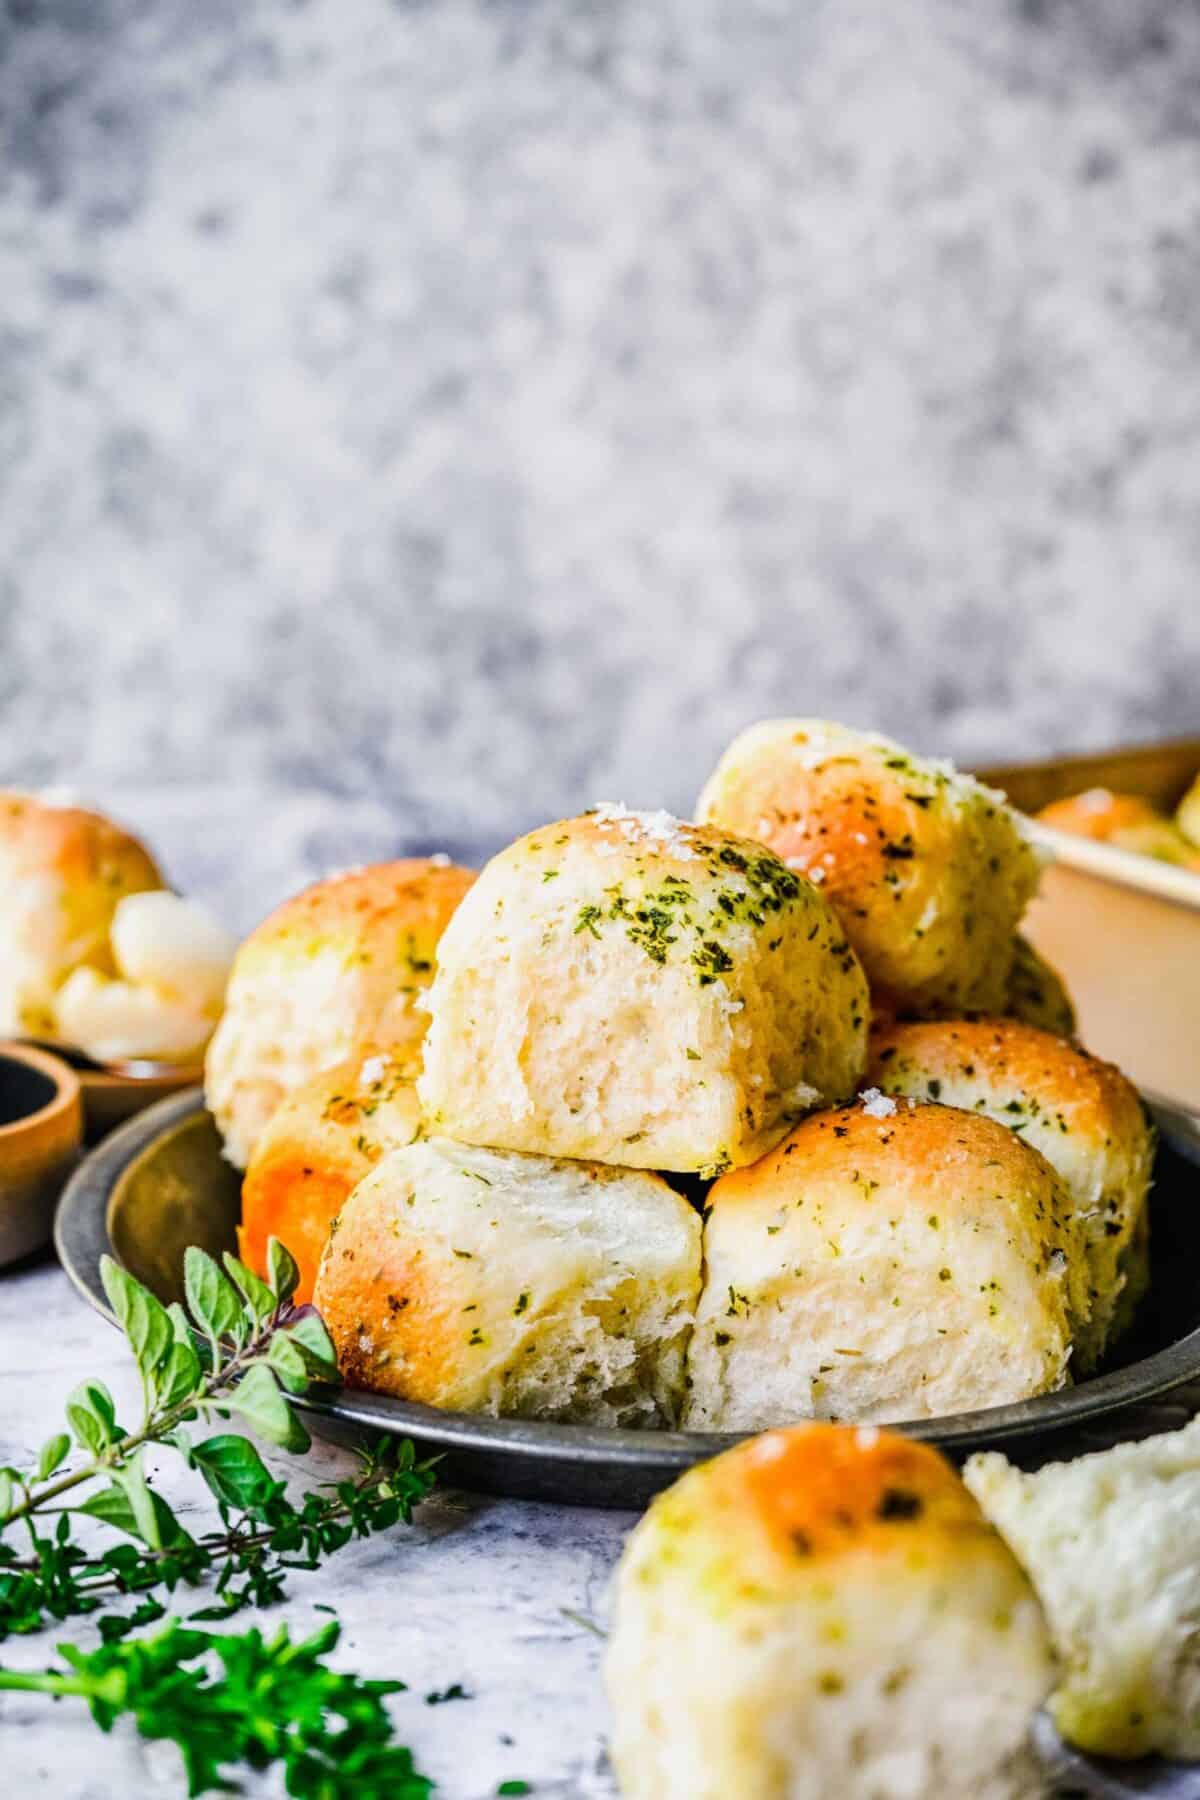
41 1131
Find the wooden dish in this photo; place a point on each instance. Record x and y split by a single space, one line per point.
41 1130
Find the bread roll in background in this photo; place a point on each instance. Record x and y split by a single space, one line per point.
62 873
1187 816
626 987
929 871
516 1285
1125 821
1112 1543
341 968
319 1143
1037 993
1083 1116
887 1261
824 1614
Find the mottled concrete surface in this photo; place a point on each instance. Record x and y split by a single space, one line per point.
482 407
419 420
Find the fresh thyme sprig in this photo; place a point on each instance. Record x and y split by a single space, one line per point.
242 1349
237 1698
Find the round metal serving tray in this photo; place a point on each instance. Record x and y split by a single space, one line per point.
159 1184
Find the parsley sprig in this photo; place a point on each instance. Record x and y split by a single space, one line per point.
242 1698
241 1349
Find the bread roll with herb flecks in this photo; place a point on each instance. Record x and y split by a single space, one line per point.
928 870
824 1614
319 1143
1083 1116
491 1282
1126 821
1037 993
628 988
341 968
62 873
887 1261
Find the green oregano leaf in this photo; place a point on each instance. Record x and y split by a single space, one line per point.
257 1295
211 1301
258 1399
53 1452
142 1318
282 1270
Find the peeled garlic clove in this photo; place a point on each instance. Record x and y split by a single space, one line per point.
173 945
115 1021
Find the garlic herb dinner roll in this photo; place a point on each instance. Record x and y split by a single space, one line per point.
340 968
1037 993
318 1144
928 870
1127 822
496 1283
887 1261
629 988
1112 1542
62 873
1187 814
1082 1115
824 1614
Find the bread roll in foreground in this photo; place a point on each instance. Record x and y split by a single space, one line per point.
340 969
504 1284
1112 1542
823 1614
317 1147
888 1261
928 870
1037 993
630 988
1080 1113
62 873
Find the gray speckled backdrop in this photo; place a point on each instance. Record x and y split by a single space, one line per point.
474 409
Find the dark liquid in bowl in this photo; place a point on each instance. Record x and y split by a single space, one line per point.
23 1091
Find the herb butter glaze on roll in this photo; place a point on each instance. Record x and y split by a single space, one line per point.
887 1261
341 968
1081 1114
491 1282
928 870
632 989
824 1614
62 873
319 1143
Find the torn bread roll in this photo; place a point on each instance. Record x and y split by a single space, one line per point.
491 1282
887 1261
824 1612
632 989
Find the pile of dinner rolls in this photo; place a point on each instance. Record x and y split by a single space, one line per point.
767 1117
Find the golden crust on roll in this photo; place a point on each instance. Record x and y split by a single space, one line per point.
887 1261
62 873
342 967
928 870
496 1283
1081 1114
632 989
1125 821
319 1143
824 1612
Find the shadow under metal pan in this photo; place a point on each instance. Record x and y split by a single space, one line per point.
159 1184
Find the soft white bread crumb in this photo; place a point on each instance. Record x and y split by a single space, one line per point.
116 1021
824 1614
633 989
929 870
1083 1116
1112 1543
889 1268
497 1283
162 941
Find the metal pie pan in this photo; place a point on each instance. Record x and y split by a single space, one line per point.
159 1184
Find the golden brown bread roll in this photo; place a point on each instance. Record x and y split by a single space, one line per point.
628 988
1037 993
1187 815
1083 1116
824 1614
62 873
491 1282
887 1261
1125 821
928 870
318 1144
341 968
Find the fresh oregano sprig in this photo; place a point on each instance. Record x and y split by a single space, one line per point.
240 1349
240 1698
